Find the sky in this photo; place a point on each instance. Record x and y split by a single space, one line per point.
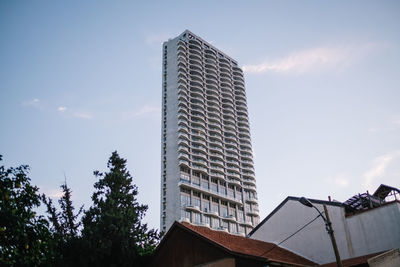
81 79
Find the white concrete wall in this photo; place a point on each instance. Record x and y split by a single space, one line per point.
173 174
312 242
362 234
375 230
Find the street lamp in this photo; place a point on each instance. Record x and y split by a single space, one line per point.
328 227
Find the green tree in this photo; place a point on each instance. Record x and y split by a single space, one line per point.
25 239
65 228
112 229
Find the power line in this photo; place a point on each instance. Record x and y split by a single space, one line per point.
276 245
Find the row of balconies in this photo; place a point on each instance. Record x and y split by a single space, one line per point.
230 218
216 164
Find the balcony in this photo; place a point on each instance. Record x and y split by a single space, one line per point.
198 141
210 67
216 136
249 176
184 162
195 77
199 148
199 168
225 65
217 175
214 124
232 154
233 162
196 62
212 101
230 218
195 43
216 168
239 83
215 148
213 83
192 207
201 155
252 200
245 149
234 181
183 156
210 192
252 212
183 136
249 187
233 175
210 52
194 52
183 129
211 61
218 156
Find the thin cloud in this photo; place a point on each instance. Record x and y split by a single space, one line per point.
312 59
157 38
83 115
144 111
380 164
147 110
392 124
341 180
62 109
53 193
32 103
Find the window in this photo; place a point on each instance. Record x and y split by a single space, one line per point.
233 228
204 183
196 201
240 215
214 185
206 219
215 206
238 193
247 207
214 223
185 199
185 214
225 224
240 229
196 181
196 218
232 210
230 192
223 188
248 219
206 205
224 208
185 177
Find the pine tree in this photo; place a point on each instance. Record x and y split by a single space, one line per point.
65 228
112 229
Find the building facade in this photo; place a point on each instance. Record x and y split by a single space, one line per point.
363 225
207 169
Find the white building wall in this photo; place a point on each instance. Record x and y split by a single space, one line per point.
172 202
375 230
365 233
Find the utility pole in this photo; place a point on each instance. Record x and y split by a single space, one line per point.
329 229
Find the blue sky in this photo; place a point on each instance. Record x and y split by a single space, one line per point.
80 79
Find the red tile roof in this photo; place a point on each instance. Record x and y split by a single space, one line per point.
244 246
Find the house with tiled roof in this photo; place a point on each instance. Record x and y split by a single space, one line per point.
365 224
187 245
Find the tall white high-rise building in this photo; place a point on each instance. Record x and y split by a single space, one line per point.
207 169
